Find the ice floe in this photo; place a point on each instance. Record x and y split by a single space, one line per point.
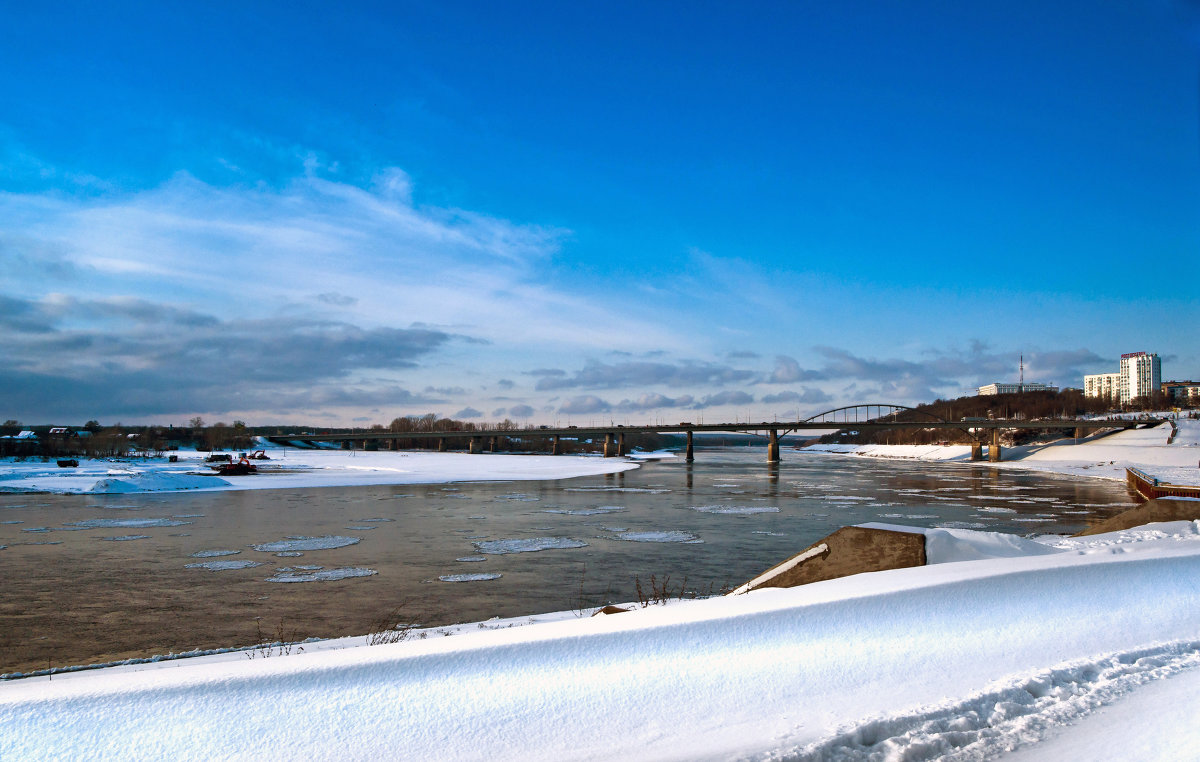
735 509
468 577
214 553
325 575
526 545
661 536
223 565
293 544
126 523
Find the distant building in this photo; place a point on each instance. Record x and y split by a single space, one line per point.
998 388
1102 385
1181 391
1140 376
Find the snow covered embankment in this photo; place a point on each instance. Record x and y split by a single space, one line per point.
1105 457
977 656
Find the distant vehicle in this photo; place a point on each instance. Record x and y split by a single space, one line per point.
543 427
222 457
686 423
572 427
71 463
258 455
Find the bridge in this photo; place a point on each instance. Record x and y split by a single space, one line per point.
862 417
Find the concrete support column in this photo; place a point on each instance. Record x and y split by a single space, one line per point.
1080 433
441 444
691 453
994 448
492 446
364 443
609 450
555 447
620 445
346 445
393 445
977 451
773 447
476 446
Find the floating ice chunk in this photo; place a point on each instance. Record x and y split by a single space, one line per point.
667 536
647 490
326 575
468 577
124 537
735 509
769 534
214 553
519 497
361 528
288 554
36 529
471 559
290 544
368 521
188 516
597 511
222 565
526 545
14 521
996 509
962 525
126 523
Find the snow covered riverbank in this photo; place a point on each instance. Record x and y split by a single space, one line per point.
1104 457
291 468
962 659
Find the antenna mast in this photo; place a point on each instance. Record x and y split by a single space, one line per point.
1021 383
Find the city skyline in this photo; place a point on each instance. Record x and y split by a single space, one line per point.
587 213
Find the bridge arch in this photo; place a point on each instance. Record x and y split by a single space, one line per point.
866 412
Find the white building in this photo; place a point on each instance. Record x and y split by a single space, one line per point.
998 388
1141 375
1104 385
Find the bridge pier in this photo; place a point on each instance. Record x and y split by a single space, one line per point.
976 451
476 445
493 444
1080 433
441 444
994 447
346 444
555 446
393 445
621 446
691 454
609 450
773 447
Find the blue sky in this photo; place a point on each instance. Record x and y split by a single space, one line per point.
587 211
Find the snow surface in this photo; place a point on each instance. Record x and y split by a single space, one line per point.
294 468
1103 457
955 660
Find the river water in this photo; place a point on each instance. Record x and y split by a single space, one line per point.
103 577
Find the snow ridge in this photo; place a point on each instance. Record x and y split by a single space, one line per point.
1009 714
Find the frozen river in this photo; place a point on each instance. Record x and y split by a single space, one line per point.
91 578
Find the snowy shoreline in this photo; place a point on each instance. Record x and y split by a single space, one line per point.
968 658
1104 457
292 468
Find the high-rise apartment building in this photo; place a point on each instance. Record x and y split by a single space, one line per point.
1141 375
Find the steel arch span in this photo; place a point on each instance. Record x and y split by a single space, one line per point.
870 412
